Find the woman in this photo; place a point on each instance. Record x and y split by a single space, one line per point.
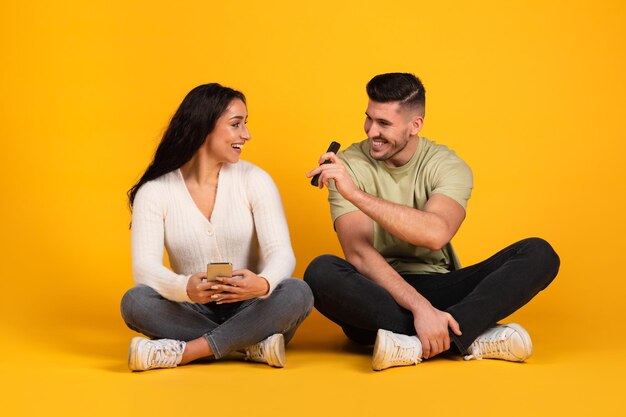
204 205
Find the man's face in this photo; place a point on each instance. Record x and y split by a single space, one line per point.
392 132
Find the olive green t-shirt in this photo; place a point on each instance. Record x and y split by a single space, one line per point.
433 169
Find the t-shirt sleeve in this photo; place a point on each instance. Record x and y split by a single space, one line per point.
453 178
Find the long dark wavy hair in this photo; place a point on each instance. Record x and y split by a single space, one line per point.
187 131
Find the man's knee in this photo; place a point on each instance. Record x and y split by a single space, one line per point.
320 270
545 257
545 254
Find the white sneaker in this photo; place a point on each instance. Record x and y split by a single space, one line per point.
270 351
392 349
509 342
147 354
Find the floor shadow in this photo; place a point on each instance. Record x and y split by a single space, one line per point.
86 334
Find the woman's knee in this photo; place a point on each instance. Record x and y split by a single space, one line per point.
134 301
298 294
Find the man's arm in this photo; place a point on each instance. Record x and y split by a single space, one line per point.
432 227
356 233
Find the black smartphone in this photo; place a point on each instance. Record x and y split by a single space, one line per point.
334 147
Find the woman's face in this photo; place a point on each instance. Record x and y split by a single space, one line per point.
226 141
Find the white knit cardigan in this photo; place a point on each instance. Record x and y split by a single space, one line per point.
247 228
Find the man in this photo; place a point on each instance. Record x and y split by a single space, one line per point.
396 201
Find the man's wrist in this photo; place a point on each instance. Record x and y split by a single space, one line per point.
356 197
419 304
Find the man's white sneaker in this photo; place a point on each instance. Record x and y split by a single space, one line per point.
392 349
270 351
509 342
147 354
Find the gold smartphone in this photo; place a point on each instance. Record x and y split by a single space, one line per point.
218 269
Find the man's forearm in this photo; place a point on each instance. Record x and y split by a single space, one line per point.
374 267
417 227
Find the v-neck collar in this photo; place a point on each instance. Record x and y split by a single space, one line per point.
217 194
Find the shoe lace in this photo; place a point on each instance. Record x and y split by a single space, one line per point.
404 353
488 345
255 351
166 354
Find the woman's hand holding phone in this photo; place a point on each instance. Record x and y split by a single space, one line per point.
199 289
243 285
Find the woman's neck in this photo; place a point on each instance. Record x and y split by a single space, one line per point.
201 171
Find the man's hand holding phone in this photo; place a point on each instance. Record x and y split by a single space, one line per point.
332 148
333 168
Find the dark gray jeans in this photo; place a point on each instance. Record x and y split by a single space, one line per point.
477 296
226 327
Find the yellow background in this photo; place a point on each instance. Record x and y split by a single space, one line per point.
530 93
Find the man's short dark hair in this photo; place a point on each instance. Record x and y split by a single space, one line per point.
404 88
